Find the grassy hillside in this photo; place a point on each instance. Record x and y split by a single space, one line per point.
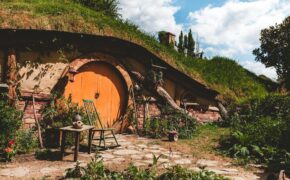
228 77
221 74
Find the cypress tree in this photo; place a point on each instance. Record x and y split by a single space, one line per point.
180 43
185 44
191 44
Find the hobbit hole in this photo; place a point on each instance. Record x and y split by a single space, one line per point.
106 68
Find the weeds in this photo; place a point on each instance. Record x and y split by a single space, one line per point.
96 170
260 129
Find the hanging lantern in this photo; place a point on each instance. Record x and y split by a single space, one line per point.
71 74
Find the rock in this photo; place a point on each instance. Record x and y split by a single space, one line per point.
230 170
123 152
224 171
167 165
154 151
195 169
182 161
206 163
87 155
147 161
48 170
142 145
174 156
155 147
227 164
107 156
149 156
162 160
126 143
237 178
139 164
136 157
15 172
117 160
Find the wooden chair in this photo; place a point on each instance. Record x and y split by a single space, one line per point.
94 120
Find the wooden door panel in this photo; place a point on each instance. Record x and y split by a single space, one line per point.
103 79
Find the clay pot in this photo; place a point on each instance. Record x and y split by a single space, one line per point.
77 118
172 136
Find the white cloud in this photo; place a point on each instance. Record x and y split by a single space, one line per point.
260 69
151 15
233 29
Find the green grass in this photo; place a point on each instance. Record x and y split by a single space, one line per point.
224 75
204 144
206 139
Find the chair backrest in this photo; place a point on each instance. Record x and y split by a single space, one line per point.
92 113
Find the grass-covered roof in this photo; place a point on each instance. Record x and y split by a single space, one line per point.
221 74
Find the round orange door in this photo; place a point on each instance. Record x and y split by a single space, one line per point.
103 84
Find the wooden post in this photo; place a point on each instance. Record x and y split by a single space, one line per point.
37 122
62 144
77 145
90 140
12 76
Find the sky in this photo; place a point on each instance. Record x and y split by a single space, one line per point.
229 28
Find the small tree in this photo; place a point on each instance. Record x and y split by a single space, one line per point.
180 45
274 50
191 44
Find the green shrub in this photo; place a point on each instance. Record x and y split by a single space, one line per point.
178 172
260 131
10 122
60 113
180 122
170 120
26 141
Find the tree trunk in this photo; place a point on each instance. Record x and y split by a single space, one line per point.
223 111
164 94
160 91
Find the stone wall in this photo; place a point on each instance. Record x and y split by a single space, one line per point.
28 116
202 116
147 110
26 105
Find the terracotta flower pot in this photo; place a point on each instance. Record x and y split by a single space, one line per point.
172 136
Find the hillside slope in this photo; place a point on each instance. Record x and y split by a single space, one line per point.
221 74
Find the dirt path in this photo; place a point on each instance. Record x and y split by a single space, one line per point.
133 149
